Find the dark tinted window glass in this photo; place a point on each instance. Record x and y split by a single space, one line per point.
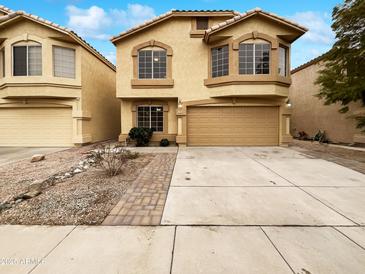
150 117
152 64
202 23
20 61
220 61
254 58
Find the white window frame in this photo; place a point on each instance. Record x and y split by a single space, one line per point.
27 61
254 59
150 120
152 67
2 52
54 62
286 60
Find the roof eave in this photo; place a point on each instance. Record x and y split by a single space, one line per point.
166 16
249 14
60 29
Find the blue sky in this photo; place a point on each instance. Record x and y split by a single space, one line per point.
96 21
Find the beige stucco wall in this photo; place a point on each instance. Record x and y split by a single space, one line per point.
99 101
189 60
91 94
310 114
190 67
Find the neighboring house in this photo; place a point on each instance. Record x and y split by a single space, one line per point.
309 112
207 77
55 89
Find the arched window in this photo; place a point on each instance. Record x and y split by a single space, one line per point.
152 63
27 59
254 57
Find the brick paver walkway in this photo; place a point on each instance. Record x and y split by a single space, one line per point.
145 198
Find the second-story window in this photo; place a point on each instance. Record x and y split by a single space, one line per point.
64 62
27 60
202 23
220 61
2 63
152 64
283 67
254 58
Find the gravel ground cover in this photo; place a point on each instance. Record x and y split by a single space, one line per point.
85 198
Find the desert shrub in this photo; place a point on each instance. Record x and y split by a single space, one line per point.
141 135
321 137
164 142
112 158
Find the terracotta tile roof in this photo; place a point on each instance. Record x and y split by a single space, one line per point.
309 63
5 9
164 17
248 14
11 15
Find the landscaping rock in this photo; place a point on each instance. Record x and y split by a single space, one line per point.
37 158
4 206
35 186
77 170
31 194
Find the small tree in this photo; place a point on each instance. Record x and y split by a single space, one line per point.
141 135
343 78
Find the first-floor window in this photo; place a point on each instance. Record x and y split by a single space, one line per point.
150 117
27 60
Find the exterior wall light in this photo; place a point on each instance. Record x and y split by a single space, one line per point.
180 105
288 103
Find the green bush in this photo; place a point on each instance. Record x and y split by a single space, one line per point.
141 135
164 142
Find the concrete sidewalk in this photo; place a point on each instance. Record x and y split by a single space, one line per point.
181 249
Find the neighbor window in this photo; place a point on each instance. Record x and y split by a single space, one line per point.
64 62
283 61
2 62
150 117
152 64
27 60
202 23
254 58
220 61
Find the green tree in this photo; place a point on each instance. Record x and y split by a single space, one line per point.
342 80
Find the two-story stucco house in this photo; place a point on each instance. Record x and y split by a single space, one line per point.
207 77
55 89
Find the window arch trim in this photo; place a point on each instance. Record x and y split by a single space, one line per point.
152 43
255 35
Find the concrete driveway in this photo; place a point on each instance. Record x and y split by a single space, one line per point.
262 186
228 210
13 154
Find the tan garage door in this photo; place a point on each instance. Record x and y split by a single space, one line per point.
233 126
35 127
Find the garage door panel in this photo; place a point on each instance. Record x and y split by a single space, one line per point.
35 127
230 126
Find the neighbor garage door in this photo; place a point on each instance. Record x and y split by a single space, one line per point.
35 127
233 126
